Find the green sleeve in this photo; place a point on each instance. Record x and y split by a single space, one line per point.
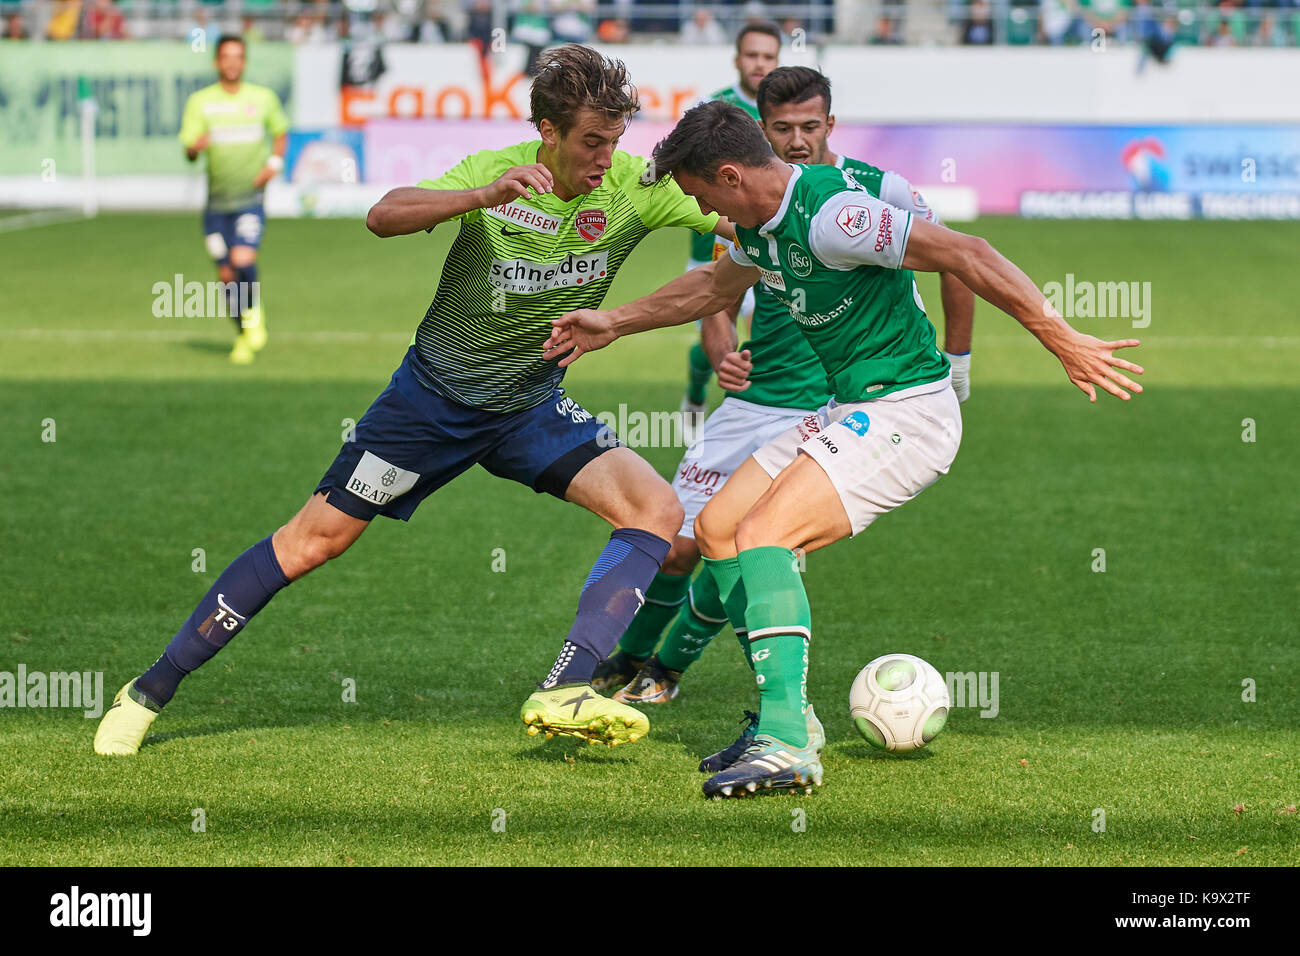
276 122
469 173
193 125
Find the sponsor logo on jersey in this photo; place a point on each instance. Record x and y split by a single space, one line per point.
800 262
885 231
590 224
858 422
773 280
526 216
380 481
854 220
525 277
707 479
752 252
814 319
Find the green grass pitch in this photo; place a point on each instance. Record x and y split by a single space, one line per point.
1120 693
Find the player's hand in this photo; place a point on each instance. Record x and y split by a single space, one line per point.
578 333
201 143
516 182
1090 362
733 371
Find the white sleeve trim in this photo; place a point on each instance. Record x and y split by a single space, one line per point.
897 191
738 257
853 228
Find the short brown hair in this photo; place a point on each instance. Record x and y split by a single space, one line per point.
572 78
792 84
765 27
708 136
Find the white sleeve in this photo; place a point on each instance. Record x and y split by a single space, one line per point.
897 191
738 257
854 228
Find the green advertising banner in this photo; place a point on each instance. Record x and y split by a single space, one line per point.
139 89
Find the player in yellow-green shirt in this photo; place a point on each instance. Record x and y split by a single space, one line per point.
541 229
231 121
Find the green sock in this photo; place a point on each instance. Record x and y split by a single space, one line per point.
700 373
731 592
780 625
696 624
666 593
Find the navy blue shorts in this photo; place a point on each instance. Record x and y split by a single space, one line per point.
413 440
222 230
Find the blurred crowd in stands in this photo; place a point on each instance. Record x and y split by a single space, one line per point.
1157 25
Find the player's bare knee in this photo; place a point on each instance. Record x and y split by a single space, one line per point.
682 557
226 273
753 532
664 515
242 256
712 535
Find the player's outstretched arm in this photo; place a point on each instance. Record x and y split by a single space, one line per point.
692 295
409 209
719 339
1088 361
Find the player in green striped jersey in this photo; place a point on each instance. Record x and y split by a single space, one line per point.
231 121
542 228
841 261
758 49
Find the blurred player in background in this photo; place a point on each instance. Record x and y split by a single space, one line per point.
231 121
758 49
543 228
841 260
774 382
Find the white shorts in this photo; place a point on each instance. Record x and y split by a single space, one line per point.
878 454
734 431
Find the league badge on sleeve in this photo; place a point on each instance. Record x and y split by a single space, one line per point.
590 224
854 220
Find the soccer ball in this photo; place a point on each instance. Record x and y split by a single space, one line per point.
898 702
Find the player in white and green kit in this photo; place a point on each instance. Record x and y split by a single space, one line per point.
758 50
774 382
231 121
841 261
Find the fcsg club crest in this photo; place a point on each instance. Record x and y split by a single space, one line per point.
590 224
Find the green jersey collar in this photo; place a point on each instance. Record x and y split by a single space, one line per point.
775 221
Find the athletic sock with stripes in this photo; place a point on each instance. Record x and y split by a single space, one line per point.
696 624
663 599
779 624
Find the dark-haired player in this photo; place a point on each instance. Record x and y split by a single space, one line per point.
774 383
841 260
543 228
230 121
758 50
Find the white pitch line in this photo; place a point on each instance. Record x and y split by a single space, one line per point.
31 220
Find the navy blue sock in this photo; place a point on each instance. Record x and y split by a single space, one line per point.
614 592
245 277
241 591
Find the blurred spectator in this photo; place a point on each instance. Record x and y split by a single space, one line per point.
886 32
14 28
791 29
1055 20
310 28
1108 16
433 27
1223 35
63 24
479 30
1268 34
978 30
250 28
612 31
703 29
572 21
104 21
533 30
1159 44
